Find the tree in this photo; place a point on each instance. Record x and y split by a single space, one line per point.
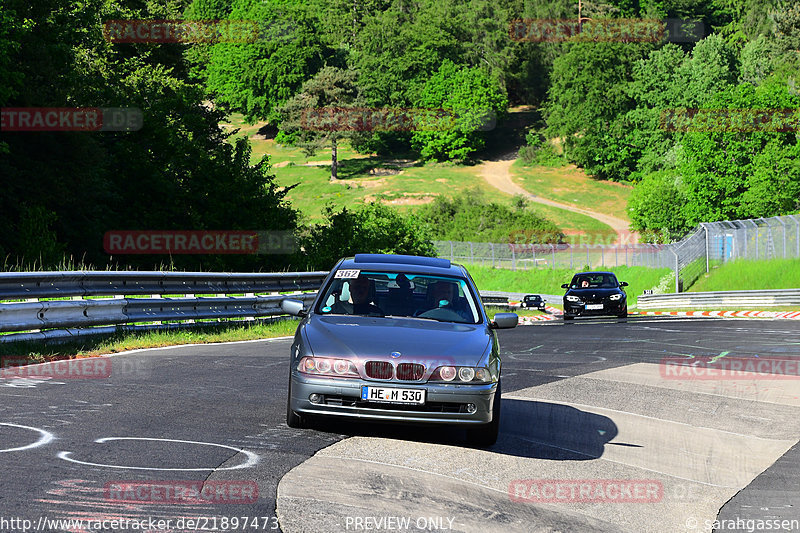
471 103
327 109
176 172
656 207
737 167
586 96
256 78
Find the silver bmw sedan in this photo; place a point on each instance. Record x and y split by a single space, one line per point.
396 338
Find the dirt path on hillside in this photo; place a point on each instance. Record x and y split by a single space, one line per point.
498 174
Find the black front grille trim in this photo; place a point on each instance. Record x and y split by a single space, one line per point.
379 369
410 371
430 407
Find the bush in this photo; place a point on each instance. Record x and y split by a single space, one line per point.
371 228
470 217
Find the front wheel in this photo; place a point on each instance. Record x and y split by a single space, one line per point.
486 435
624 313
568 317
293 420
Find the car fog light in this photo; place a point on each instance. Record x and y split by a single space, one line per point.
315 398
471 408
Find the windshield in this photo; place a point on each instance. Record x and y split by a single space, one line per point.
594 281
423 296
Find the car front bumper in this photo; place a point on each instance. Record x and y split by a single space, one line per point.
444 403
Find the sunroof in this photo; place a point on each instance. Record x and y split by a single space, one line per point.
403 259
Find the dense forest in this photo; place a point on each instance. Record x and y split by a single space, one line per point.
608 104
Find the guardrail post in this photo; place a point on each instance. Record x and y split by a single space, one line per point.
797 242
784 236
677 271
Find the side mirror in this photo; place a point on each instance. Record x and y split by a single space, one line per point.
623 283
293 307
565 285
504 321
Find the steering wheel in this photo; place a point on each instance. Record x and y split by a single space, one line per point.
441 313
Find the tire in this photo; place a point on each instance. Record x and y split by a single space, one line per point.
486 435
293 420
624 313
568 317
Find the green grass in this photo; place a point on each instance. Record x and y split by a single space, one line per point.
745 275
548 281
575 223
570 185
403 190
120 342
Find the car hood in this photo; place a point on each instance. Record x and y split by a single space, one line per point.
593 293
416 340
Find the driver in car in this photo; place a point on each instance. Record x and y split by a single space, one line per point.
360 290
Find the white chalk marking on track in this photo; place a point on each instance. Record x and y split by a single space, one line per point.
252 458
45 438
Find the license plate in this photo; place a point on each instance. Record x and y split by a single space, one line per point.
594 306
392 395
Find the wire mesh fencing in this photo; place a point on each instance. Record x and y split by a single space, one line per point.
711 243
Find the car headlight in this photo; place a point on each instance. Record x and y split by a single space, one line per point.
326 366
573 299
462 374
615 297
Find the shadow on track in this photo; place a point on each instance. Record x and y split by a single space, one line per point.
533 429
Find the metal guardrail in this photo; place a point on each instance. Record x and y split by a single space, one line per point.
92 299
721 300
18 285
86 308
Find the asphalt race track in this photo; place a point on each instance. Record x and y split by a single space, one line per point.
583 403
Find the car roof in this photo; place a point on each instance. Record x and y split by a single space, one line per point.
413 264
593 272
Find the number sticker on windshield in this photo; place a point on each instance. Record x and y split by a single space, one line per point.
347 274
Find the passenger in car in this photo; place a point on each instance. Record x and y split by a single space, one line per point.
444 294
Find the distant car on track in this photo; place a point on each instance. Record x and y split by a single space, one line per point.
402 339
595 294
533 301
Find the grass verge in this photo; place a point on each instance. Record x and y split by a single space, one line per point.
743 275
570 185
